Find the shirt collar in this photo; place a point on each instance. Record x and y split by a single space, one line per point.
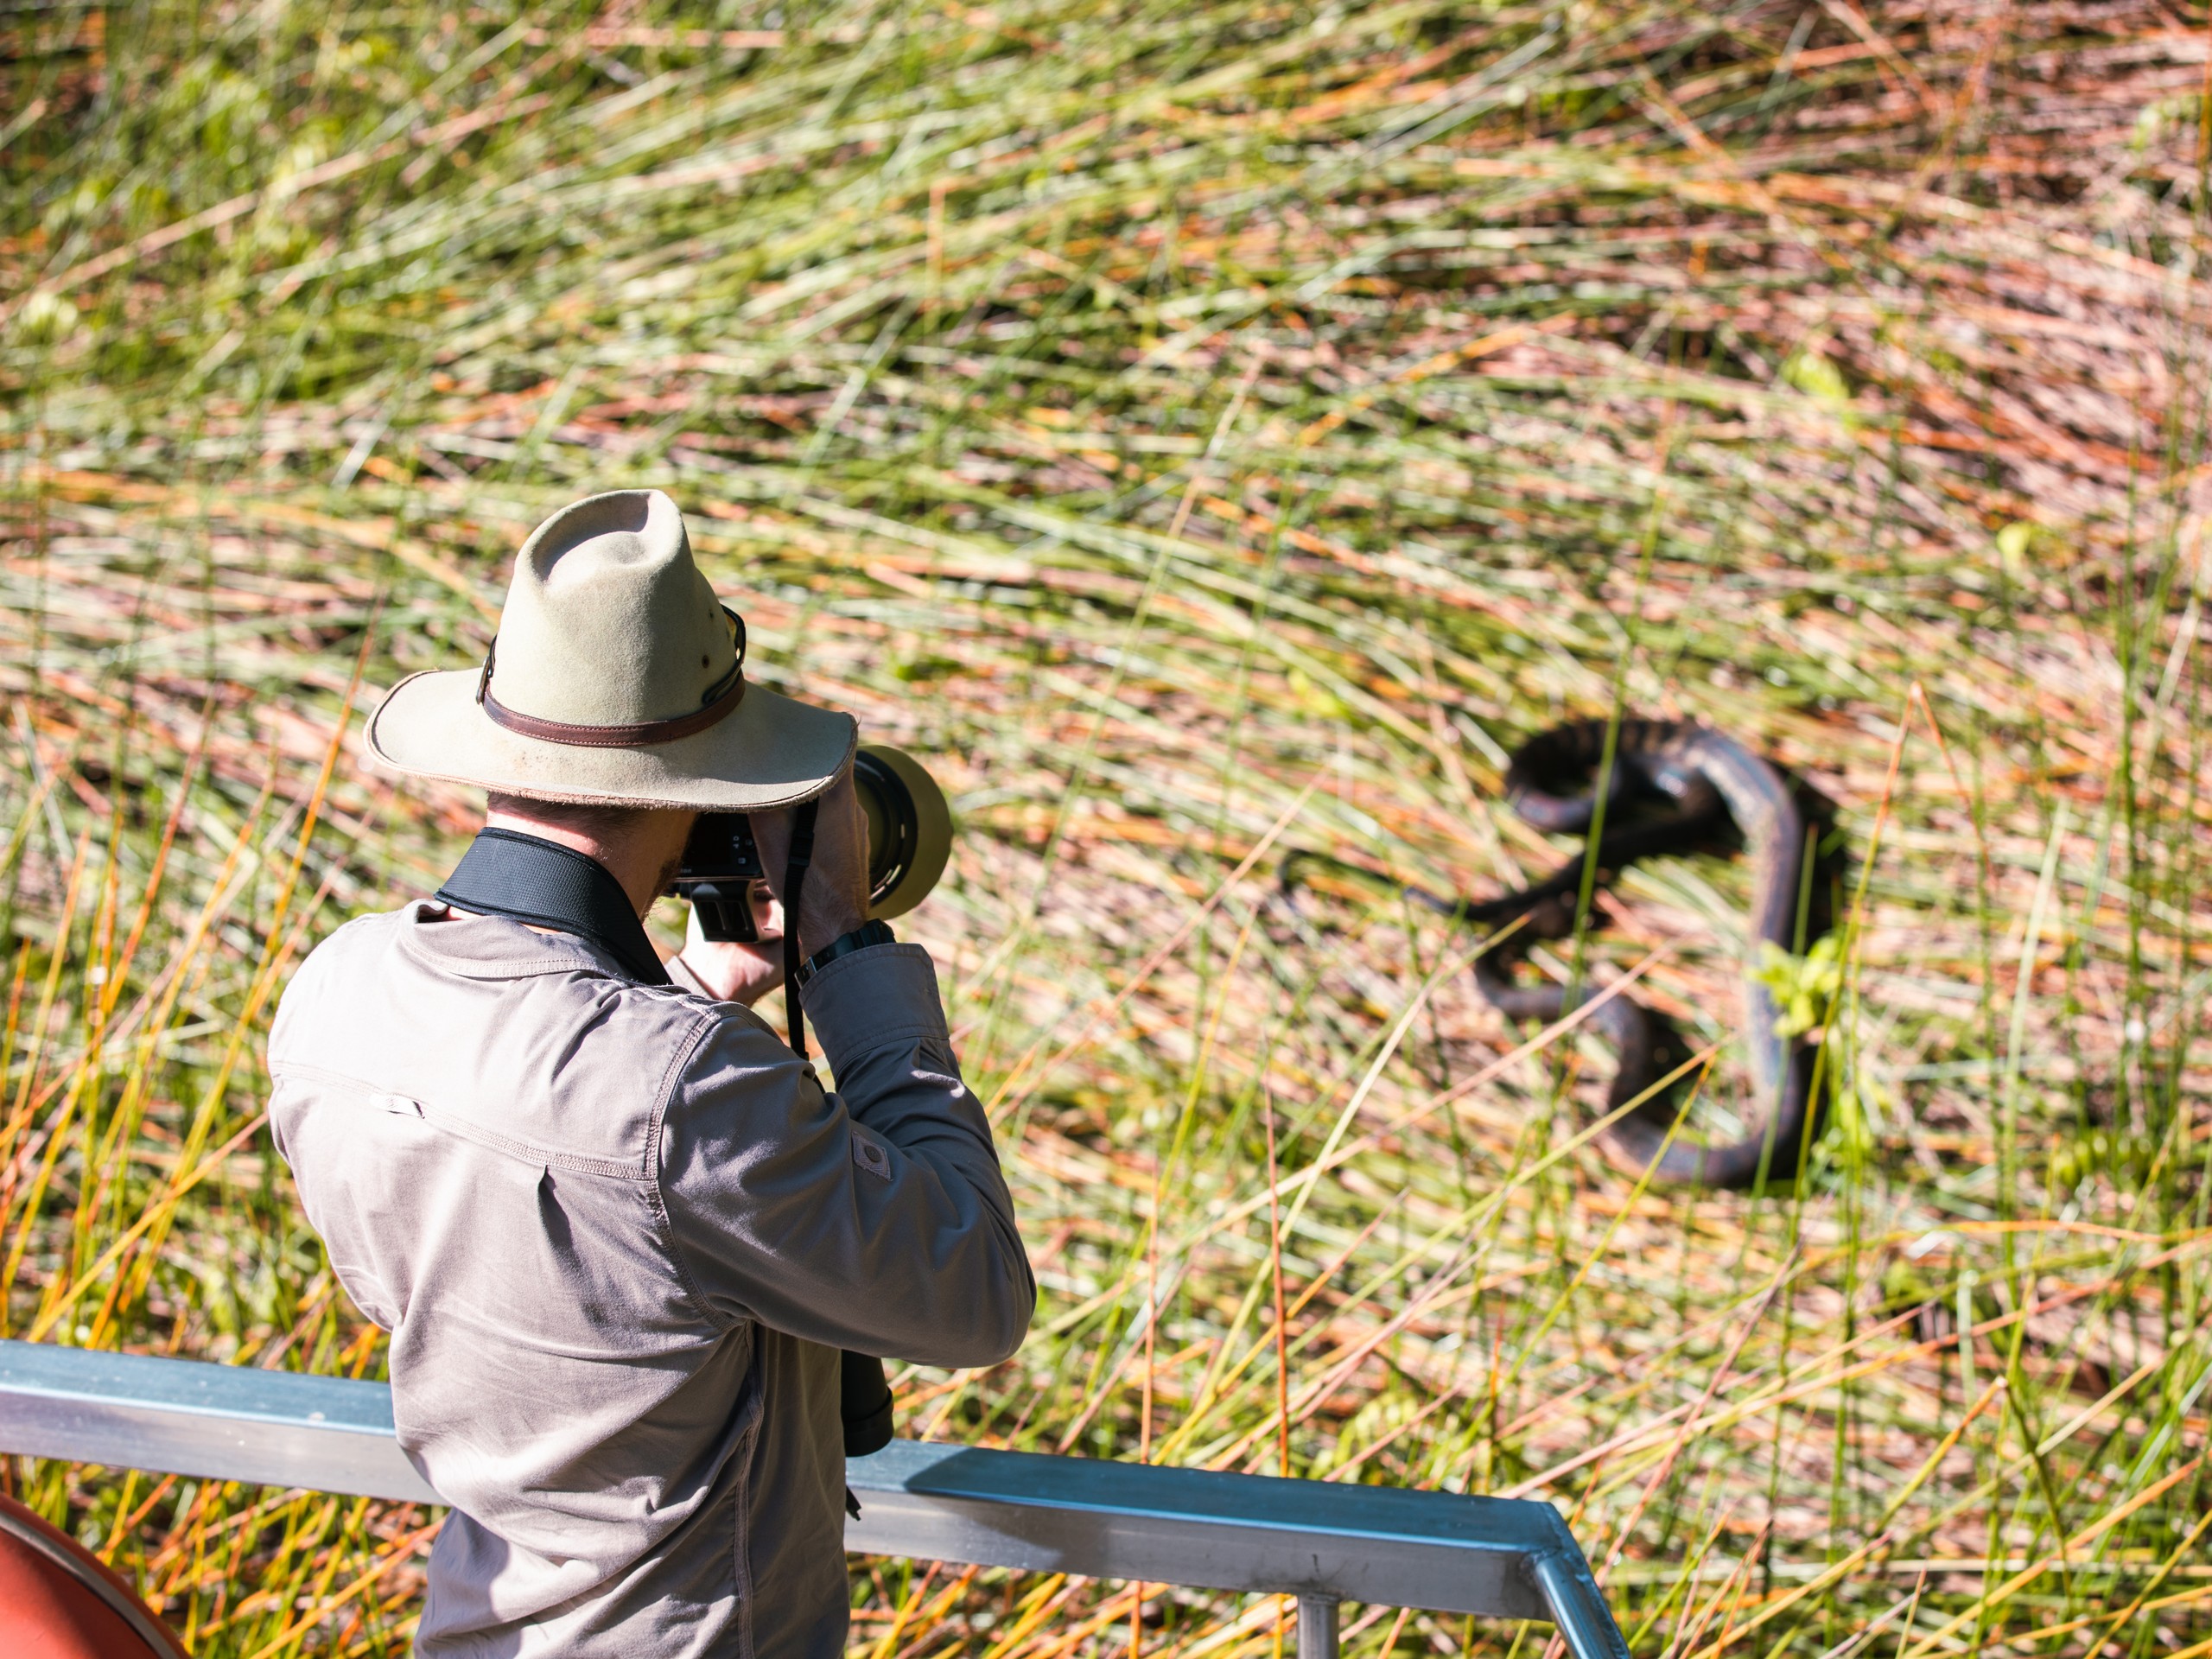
526 879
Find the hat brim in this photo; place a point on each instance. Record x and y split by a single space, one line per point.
769 751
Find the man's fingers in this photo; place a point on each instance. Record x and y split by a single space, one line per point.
772 834
834 898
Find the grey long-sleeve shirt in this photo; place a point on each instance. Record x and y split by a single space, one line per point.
619 1233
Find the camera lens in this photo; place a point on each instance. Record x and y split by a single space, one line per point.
909 829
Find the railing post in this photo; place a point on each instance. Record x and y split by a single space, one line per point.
1585 1624
1317 1627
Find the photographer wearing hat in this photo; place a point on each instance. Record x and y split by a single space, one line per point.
616 1230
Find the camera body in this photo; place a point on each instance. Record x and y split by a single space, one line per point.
909 838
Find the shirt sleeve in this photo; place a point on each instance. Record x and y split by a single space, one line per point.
875 1218
680 974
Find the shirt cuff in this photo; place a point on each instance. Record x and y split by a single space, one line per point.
873 998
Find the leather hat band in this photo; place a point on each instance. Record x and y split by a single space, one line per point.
723 696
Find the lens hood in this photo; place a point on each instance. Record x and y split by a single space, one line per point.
909 829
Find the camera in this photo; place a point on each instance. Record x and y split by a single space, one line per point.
909 838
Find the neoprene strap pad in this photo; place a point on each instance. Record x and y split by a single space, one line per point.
505 873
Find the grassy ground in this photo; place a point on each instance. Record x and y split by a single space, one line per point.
1200 429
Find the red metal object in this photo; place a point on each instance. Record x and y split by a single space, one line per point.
59 1601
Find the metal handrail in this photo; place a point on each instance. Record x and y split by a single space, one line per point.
1324 1543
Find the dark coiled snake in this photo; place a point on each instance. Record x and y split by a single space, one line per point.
1694 778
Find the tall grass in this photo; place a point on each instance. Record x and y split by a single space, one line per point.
1201 430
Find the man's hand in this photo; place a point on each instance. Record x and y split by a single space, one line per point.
834 899
734 972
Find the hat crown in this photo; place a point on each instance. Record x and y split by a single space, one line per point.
608 621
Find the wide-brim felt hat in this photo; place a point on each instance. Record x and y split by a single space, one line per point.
617 677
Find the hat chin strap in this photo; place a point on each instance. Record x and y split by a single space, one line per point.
721 698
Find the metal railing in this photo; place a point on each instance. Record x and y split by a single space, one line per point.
1321 1542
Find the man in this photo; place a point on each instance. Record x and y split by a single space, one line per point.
616 1230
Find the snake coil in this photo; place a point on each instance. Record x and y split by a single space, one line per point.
1703 777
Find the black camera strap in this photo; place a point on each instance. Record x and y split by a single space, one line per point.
526 879
795 868
863 1392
